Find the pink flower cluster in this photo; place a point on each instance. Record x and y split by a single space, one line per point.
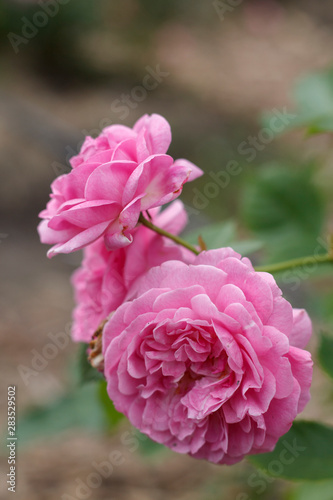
201 353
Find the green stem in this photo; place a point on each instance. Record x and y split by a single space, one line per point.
172 237
291 264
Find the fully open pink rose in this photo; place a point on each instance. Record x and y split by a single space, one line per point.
209 359
115 177
106 279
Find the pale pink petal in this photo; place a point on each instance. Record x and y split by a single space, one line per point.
108 181
87 214
301 330
174 218
80 240
194 171
155 135
302 367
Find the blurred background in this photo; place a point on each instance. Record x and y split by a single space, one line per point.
248 91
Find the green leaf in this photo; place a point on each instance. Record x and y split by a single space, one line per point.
112 415
247 247
85 372
148 447
314 102
284 209
326 302
223 234
325 353
215 235
305 452
313 96
78 409
322 491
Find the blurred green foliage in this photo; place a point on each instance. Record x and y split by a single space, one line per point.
149 448
84 371
84 405
223 234
285 209
51 49
78 408
69 18
325 353
112 415
58 49
320 491
305 452
87 407
313 98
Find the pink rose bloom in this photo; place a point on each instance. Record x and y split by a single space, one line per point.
209 359
106 279
115 177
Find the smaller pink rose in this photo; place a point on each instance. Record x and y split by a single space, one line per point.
115 177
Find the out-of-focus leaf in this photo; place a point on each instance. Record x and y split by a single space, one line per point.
85 372
247 247
223 234
214 235
313 96
78 409
327 307
112 415
285 210
147 446
325 353
322 491
305 452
